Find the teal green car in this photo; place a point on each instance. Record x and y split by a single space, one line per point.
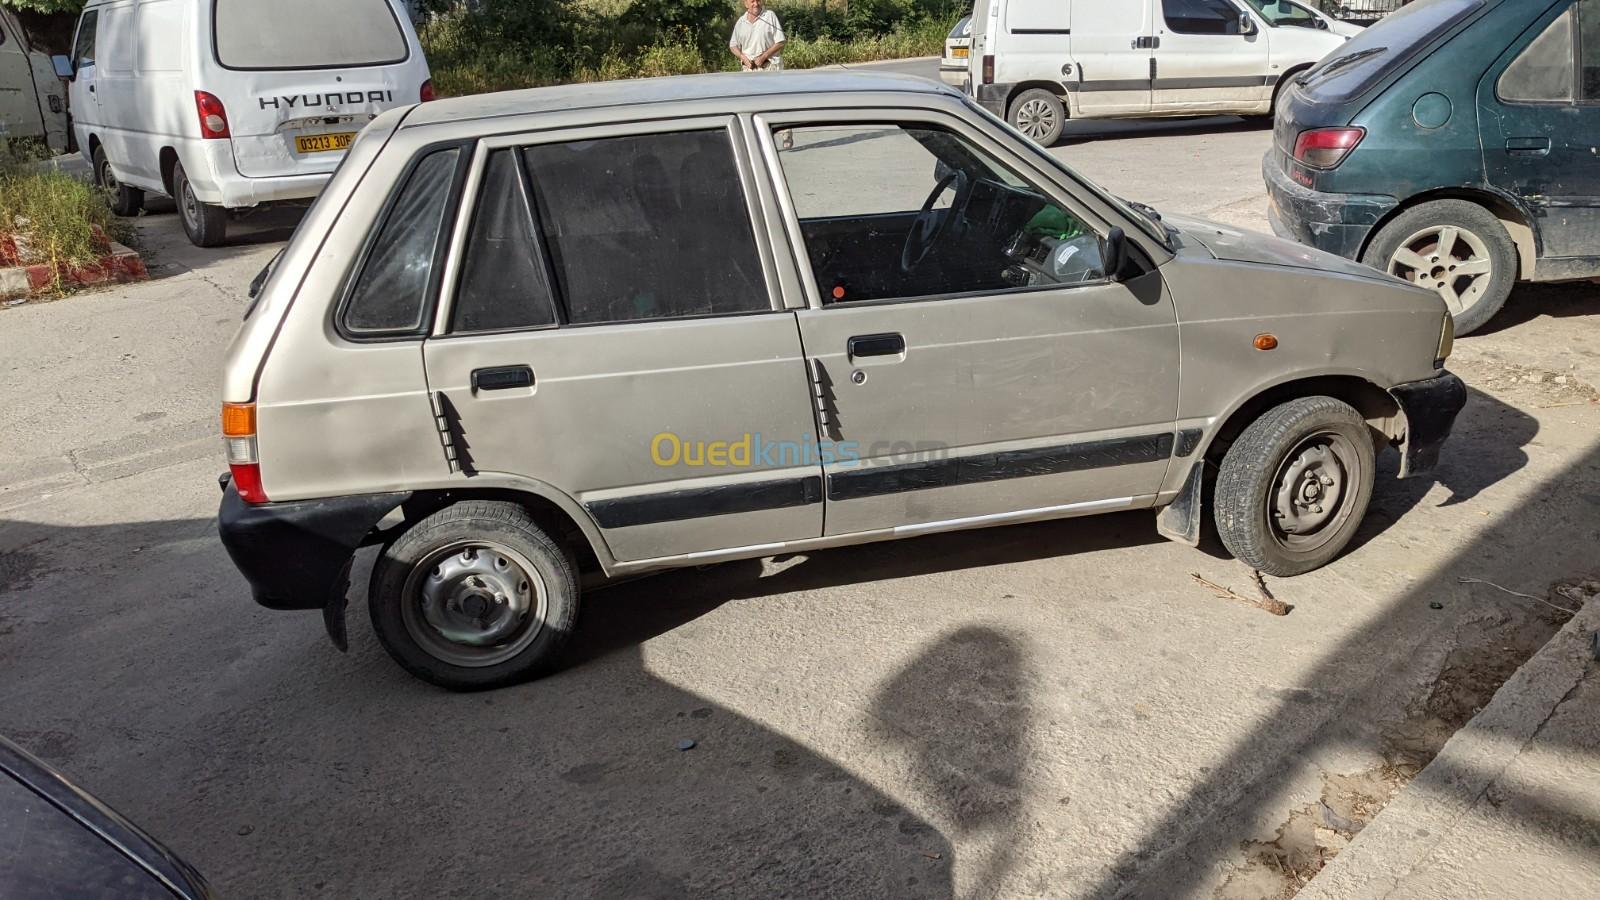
1455 145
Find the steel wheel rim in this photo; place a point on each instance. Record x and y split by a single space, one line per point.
474 603
1036 118
189 206
1313 491
1448 260
108 179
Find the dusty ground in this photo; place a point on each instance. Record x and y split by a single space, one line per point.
1049 710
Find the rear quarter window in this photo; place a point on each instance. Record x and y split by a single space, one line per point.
390 296
1373 55
307 34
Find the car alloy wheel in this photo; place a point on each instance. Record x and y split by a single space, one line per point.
474 603
1447 259
1036 119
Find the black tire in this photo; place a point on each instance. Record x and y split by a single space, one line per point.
1039 115
206 225
1273 453
474 533
125 201
1476 225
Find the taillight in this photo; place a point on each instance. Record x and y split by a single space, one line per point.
427 91
244 461
988 69
1326 148
213 116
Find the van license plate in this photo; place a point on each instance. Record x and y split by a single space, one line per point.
322 143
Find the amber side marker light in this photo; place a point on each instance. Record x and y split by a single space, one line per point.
1266 342
239 430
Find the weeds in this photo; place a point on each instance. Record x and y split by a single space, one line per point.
52 216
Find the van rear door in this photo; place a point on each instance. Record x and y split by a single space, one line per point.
299 78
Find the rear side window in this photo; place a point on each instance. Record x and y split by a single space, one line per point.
647 227
1589 48
307 34
1544 72
1372 55
83 48
505 281
391 294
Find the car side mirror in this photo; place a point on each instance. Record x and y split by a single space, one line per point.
1247 25
1114 253
64 67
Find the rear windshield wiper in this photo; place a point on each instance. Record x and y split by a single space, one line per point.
1335 65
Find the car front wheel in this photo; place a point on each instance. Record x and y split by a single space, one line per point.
1293 489
474 596
1455 248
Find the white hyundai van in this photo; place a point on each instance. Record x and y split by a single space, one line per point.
233 104
1039 62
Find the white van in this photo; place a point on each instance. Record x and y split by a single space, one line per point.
1039 62
232 104
33 105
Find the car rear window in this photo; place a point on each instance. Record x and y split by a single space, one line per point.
1371 56
307 34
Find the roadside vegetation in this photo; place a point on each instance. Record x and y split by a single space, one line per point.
51 217
496 45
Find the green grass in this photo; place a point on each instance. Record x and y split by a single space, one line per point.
53 213
462 66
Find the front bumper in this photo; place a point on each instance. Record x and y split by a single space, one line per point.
295 554
1336 223
1431 408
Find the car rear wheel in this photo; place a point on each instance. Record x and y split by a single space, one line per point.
1038 114
1455 248
206 225
125 200
1293 489
474 596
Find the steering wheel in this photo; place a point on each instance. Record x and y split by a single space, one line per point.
931 224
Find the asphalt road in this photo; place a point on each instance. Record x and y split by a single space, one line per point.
1047 710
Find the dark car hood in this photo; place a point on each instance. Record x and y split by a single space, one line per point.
1236 245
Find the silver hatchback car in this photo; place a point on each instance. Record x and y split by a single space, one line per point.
532 340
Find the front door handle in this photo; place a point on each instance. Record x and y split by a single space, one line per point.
1528 146
503 378
877 345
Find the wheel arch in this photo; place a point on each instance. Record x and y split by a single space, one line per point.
1375 404
1054 87
560 517
1512 214
168 164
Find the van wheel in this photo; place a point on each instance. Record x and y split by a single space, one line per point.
206 225
125 201
1038 114
1293 489
1455 248
474 596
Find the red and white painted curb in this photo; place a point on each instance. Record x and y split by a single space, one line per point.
117 264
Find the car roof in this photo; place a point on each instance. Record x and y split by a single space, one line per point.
665 91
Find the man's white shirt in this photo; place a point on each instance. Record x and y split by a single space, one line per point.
756 38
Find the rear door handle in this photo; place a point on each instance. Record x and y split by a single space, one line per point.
1528 146
503 378
877 345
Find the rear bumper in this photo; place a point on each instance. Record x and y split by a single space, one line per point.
1431 408
953 75
294 555
217 181
993 97
1336 223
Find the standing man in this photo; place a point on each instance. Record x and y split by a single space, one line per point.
758 39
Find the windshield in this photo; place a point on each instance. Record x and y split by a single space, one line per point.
307 34
1372 55
1282 12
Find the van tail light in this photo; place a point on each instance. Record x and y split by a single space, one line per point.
213 116
244 460
428 94
1326 148
988 69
